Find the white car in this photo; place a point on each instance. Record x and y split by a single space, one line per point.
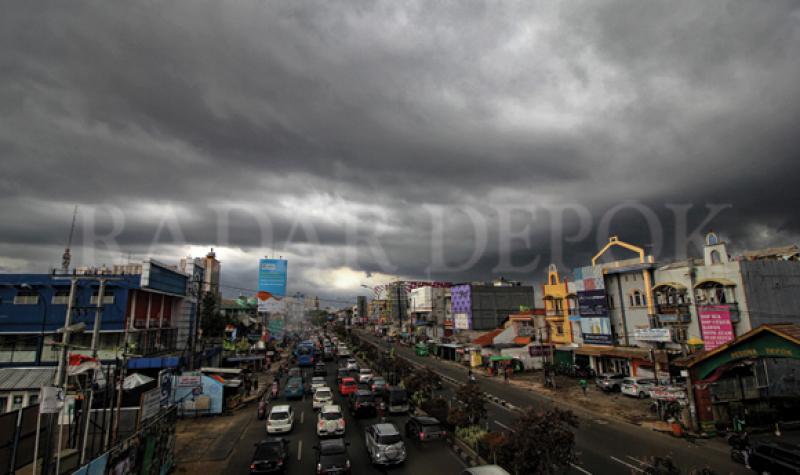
330 421
352 364
317 382
342 351
364 375
322 397
638 387
280 420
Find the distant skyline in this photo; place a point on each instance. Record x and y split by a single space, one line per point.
368 141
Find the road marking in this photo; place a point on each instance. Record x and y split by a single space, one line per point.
626 464
503 425
640 462
300 450
580 469
302 413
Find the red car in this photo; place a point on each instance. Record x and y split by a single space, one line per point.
347 386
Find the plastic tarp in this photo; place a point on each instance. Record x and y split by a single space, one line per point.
135 380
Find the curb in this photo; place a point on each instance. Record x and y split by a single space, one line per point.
470 458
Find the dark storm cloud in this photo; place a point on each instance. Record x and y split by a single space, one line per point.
362 112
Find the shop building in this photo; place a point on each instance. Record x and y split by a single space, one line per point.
486 306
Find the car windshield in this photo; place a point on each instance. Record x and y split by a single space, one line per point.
278 416
349 383
389 439
397 396
267 451
429 428
320 394
317 380
332 416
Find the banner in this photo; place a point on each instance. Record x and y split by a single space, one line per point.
272 276
715 323
51 400
596 331
150 404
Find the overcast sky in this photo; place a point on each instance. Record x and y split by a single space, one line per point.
362 139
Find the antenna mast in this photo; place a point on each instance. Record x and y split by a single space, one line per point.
67 257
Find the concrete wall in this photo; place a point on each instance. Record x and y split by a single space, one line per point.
492 305
772 291
635 316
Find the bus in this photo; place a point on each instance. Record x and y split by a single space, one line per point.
305 353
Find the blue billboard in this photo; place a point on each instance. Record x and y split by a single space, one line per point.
272 276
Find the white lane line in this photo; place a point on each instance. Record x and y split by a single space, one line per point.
580 469
503 425
640 462
302 414
299 450
626 464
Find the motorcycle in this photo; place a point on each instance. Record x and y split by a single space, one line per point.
273 392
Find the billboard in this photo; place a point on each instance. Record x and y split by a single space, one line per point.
592 303
461 306
272 276
596 330
715 323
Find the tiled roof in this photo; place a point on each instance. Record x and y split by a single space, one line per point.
25 378
487 338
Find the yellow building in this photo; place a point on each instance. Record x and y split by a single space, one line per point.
558 304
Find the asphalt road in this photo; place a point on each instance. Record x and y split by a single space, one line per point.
435 458
602 446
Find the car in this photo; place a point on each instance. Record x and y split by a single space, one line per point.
343 352
364 375
332 457
352 364
341 373
347 386
293 389
280 419
385 444
317 382
638 387
330 421
327 354
424 429
362 403
377 384
770 456
320 370
322 396
485 470
363 386
295 372
270 456
611 382
396 399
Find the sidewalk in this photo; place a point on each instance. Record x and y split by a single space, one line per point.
203 444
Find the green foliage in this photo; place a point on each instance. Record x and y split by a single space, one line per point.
471 401
211 321
543 442
470 435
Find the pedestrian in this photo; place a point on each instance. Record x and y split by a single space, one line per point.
584 386
255 384
506 374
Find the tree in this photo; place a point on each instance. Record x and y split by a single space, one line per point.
543 442
211 321
471 401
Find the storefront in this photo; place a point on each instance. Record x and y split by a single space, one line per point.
630 361
747 382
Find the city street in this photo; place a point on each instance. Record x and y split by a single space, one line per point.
435 458
603 446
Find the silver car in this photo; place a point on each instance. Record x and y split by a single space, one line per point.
385 444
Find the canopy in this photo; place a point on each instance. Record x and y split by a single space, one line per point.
135 380
501 358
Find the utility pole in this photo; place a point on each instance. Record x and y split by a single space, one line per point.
95 338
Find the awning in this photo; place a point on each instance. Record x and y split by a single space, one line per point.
674 285
500 358
715 280
154 362
614 352
522 340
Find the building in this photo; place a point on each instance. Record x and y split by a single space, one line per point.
486 306
427 309
189 311
144 307
560 305
212 272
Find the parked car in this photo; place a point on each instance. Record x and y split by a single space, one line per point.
609 381
293 389
352 364
330 421
424 429
362 403
638 387
347 386
320 370
384 444
280 420
322 396
377 384
364 375
396 399
332 457
270 456
317 382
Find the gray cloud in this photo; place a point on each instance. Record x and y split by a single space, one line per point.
365 112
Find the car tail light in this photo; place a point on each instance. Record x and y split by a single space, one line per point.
319 468
421 436
253 466
444 433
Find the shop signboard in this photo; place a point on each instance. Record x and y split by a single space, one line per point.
596 330
462 321
188 380
715 323
592 303
652 334
150 404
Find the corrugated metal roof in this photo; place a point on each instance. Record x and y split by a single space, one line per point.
25 378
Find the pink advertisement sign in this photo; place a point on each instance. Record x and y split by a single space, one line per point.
715 323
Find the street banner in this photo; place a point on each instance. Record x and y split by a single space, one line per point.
51 400
165 385
272 276
716 325
150 404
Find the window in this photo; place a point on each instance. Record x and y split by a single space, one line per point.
61 297
26 297
3 404
636 299
715 258
16 402
610 301
33 399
